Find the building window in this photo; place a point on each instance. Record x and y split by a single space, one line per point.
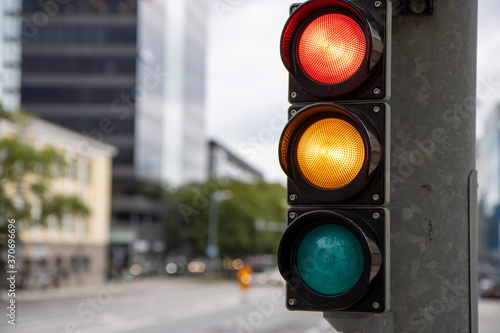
80 264
81 226
88 35
73 95
71 166
84 125
36 209
84 172
84 6
68 223
86 65
125 156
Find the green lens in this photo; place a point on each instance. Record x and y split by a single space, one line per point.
330 259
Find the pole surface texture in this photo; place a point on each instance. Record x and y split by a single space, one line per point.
433 182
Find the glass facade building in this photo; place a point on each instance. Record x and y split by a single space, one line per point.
489 186
70 69
10 25
129 73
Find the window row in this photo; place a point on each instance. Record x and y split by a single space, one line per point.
75 95
90 35
81 6
87 124
107 65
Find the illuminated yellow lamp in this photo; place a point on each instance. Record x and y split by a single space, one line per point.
330 153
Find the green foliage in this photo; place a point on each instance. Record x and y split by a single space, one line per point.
156 191
25 179
61 205
237 232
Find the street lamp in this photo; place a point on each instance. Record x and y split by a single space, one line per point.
212 250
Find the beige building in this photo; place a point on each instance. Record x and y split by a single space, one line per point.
73 250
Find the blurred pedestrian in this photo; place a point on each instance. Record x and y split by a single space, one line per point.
244 277
65 275
44 280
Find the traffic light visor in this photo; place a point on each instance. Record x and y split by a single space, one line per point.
332 48
330 259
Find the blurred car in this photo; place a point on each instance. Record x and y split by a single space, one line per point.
274 277
489 287
488 280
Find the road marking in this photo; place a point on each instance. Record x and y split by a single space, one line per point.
125 327
110 328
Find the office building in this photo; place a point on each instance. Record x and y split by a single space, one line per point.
224 164
129 73
489 187
10 56
74 249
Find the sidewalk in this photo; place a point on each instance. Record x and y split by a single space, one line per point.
73 291
83 290
172 285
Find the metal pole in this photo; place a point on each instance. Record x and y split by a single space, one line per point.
213 230
212 250
433 182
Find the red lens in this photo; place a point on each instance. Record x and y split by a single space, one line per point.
332 48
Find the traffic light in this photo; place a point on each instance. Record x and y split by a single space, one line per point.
335 153
335 49
334 253
335 259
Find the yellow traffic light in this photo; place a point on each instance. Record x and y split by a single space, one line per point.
330 153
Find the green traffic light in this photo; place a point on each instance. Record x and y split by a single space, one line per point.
330 259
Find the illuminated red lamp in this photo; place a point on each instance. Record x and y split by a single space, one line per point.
335 49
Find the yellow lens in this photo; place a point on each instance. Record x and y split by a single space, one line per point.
330 153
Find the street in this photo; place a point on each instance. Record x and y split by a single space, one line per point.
176 305
489 315
162 305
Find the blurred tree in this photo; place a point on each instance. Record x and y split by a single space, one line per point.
25 176
247 221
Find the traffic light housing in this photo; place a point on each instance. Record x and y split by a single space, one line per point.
336 259
333 154
335 49
334 149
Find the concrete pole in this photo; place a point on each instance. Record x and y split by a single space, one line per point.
433 182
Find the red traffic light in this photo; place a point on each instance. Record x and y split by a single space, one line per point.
336 49
332 48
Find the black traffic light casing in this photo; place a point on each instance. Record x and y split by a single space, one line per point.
372 293
370 82
371 186
335 151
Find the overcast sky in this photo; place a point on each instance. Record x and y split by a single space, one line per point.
247 83
488 64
